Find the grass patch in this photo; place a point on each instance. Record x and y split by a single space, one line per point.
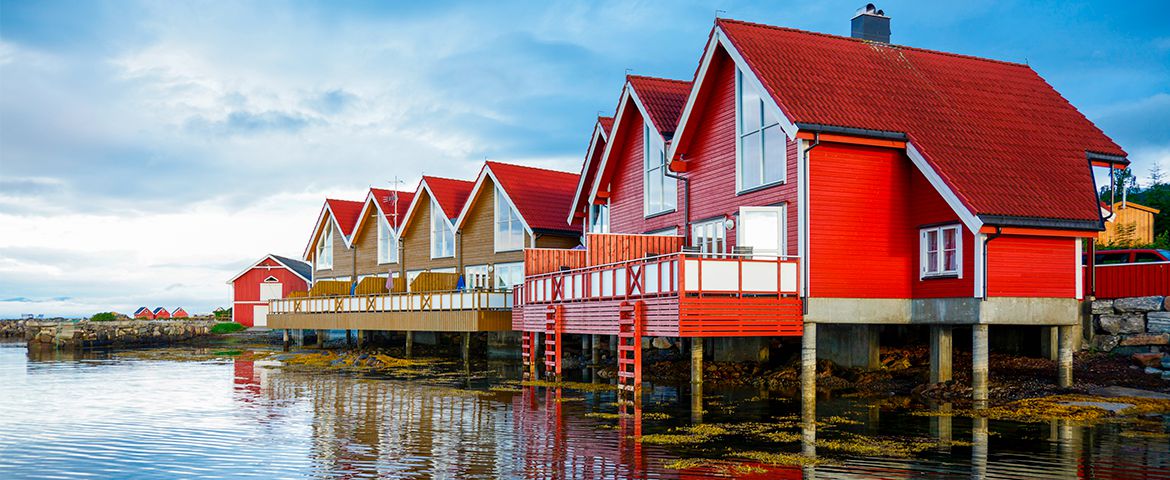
1057 407
227 327
103 317
585 387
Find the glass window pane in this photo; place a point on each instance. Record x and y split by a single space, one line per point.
774 154
653 191
749 107
932 241
932 262
950 258
949 239
750 173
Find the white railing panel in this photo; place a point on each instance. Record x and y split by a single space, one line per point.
650 278
719 275
759 277
619 283
692 275
789 277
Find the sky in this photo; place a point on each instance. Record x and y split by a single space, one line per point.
151 150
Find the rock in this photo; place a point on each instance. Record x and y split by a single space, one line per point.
1139 304
1145 339
1153 371
1148 359
661 343
1102 307
1166 304
1105 343
1158 322
1115 324
1166 362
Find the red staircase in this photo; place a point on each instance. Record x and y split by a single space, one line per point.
527 349
631 317
552 342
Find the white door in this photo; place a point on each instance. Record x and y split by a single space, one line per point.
271 291
260 315
763 229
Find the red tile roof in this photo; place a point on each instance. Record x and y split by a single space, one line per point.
1000 136
449 193
386 202
606 124
663 98
346 213
543 197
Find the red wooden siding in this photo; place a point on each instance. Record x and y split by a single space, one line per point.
1135 280
546 260
862 243
927 207
1025 266
605 248
626 210
246 289
711 160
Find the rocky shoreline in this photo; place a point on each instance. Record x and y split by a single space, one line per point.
69 334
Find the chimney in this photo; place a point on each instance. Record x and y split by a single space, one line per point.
871 24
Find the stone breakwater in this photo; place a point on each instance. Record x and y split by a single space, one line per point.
86 334
12 328
1138 327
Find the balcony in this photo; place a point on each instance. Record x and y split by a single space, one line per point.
446 311
683 295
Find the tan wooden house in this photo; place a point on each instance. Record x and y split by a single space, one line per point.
1127 224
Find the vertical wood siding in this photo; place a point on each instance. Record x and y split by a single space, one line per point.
626 209
478 236
1136 280
606 248
545 260
365 246
1025 266
416 239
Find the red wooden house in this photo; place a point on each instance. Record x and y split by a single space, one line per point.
330 248
161 313
144 313
593 216
876 183
178 312
272 277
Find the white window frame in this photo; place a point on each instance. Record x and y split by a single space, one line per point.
325 248
939 265
410 276
599 217
442 233
504 228
742 229
710 236
668 231
477 276
500 268
387 242
654 170
767 121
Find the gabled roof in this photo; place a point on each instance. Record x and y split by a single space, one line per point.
343 214
659 99
390 204
998 136
140 310
541 197
159 309
450 194
597 141
297 267
1128 204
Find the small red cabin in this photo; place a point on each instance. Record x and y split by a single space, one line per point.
144 313
178 312
273 277
161 313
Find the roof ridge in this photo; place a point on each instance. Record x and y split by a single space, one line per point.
327 199
528 167
661 79
446 178
893 45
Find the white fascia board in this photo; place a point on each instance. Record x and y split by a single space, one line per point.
422 185
370 198
598 133
471 197
970 220
317 229
708 54
617 121
257 264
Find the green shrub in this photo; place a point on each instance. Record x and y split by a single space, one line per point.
103 317
227 327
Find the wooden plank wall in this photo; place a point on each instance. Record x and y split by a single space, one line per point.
606 248
435 282
324 288
545 260
1134 280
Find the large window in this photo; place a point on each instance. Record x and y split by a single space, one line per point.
387 242
509 275
710 236
477 276
942 251
509 228
599 218
762 144
658 190
442 236
325 248
410 276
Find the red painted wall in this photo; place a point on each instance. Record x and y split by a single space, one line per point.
246 289
1024 266
626 212
929 208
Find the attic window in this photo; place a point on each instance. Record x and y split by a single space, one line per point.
941 252
442 236
271 279
761 145
660 192
387 243
509 231
325 248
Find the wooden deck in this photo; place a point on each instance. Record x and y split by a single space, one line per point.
472 311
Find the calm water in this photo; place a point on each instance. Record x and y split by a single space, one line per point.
109 417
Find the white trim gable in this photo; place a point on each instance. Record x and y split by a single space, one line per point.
471 198
336 226
971 221
257 264
598 132
719 38
628 93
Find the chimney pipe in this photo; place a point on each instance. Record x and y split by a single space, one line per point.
871 24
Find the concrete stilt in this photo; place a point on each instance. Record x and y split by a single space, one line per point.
585 344
979 361
286 340
595 356
466 347
320 338
941 340
808 370
979 435
1050 343
1064 362
940 425
697 380
361 339
348 338
409 343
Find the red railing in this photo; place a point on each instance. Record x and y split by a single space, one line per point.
1129 280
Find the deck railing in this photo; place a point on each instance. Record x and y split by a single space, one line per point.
680 274
396 302
1129 280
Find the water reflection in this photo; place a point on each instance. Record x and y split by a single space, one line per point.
113 417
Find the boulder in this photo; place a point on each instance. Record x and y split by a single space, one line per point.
1166 362
1115 324
1148 359
1102 307
1105 343
1145 339
1158 322
661 343
1153 371
1166 304
1139 304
